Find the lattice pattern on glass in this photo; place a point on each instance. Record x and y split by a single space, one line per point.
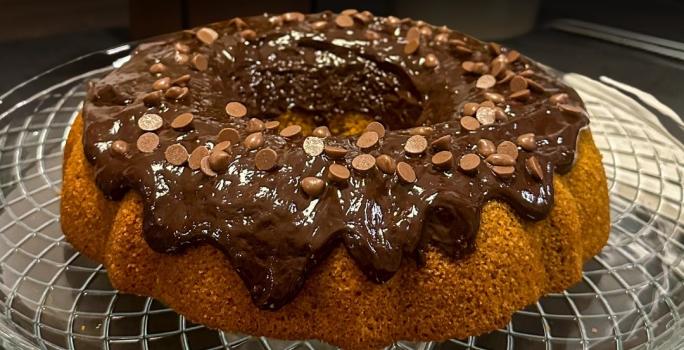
51 297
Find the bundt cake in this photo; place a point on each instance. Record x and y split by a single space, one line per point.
343 177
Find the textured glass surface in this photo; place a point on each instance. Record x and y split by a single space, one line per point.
51 297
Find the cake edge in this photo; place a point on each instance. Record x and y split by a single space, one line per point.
444 299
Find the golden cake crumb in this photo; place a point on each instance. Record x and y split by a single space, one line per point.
515 262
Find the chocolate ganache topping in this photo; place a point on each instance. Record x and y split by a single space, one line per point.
190 122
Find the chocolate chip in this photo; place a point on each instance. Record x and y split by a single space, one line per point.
176 154
559 98
312 186
470 108
494 97
293 17
526 73
468 66
500 114
119 148
276 21
518 83
503 171
266 159
571 109
534 168
319 25
386 164
182 80
321 131
363 17
509 148
238 23
338 173
148 142
150 122
416 144
443 159
200 62
248 34
313 146
486 115
236 109
153 98
463 50
349 12
520 95
196 156
222 146
442 143
485 82
363 162
205 167
469 162
470 123
441 38
500 159
367 140
393 21
207 35
219 161
162 83
411 46
498 66
228 134
508 75
181 58
512 56
487 103
157 68
431 60
426 31
413 33
486 147
406 173
371 35
344 21
495 48
376 127
527 142
180 47
271 124
254 140
176 93
456 42
335 152
534 86
421 130
291 131
254 125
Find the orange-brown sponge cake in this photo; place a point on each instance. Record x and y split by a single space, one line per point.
343 177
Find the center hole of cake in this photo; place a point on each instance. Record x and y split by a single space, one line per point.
339 89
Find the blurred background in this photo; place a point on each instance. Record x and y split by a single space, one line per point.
640 43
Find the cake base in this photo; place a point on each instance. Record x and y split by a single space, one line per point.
515 263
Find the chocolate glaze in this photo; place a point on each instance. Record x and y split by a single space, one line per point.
272 233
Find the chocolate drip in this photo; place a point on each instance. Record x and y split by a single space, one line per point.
271 231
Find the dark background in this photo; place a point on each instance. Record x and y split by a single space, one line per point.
38 34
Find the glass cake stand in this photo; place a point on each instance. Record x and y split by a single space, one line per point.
51 297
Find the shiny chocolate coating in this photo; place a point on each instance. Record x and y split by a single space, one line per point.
270 230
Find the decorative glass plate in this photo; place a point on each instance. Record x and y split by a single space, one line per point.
51 297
